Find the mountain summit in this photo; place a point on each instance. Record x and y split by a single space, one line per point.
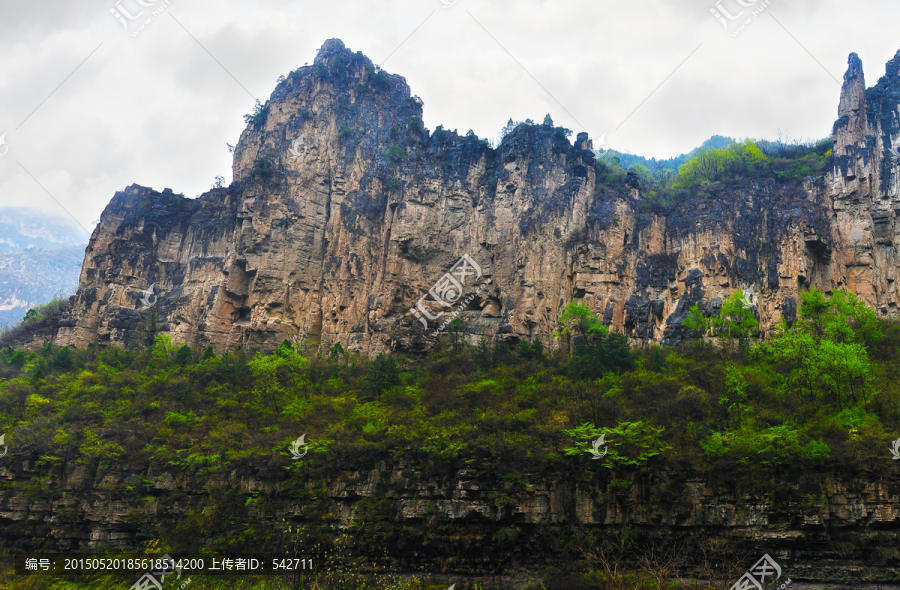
350 222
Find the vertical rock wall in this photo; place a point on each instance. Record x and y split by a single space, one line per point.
344 212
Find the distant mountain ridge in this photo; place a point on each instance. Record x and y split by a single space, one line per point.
627 160
23 228
40 260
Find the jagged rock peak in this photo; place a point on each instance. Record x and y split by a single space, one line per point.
329 48
346 214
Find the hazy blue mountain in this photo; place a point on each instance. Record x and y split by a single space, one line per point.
40 260
627 160
22 228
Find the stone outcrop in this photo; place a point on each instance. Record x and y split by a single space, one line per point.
345 211
828 527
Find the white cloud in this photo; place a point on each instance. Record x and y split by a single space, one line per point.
158 110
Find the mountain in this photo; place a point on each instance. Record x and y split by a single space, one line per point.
22 228
350 223
672 164
40 259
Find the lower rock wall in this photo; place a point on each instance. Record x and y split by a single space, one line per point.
415 515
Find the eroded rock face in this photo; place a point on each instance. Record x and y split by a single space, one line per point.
345 212
829 527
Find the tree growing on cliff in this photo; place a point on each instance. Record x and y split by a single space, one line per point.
258 116
594 351
696 322
735 323
277 375
396 154
824 356
711 165
508 128
384 373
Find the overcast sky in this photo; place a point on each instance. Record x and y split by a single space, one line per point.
88 107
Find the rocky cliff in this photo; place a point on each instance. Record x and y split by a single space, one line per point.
344 212
828 527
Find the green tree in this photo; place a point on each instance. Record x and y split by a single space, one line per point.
258 116
843 318
774 446
162 348
644 175
184 356
533 350
482 355
578 319
736 397
548 120
711 165
384 373
454 329
508 128
628 444
396 154
277 375
736 321
825 355
696 322
593 350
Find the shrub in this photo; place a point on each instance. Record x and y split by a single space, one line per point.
385 373
263 168
396 154
35 319
776 446
711 165
259 115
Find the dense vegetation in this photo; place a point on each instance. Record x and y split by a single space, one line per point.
666 183
822 395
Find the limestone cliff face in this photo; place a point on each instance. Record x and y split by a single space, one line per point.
863 189
345 212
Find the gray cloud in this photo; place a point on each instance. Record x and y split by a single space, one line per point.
158 110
